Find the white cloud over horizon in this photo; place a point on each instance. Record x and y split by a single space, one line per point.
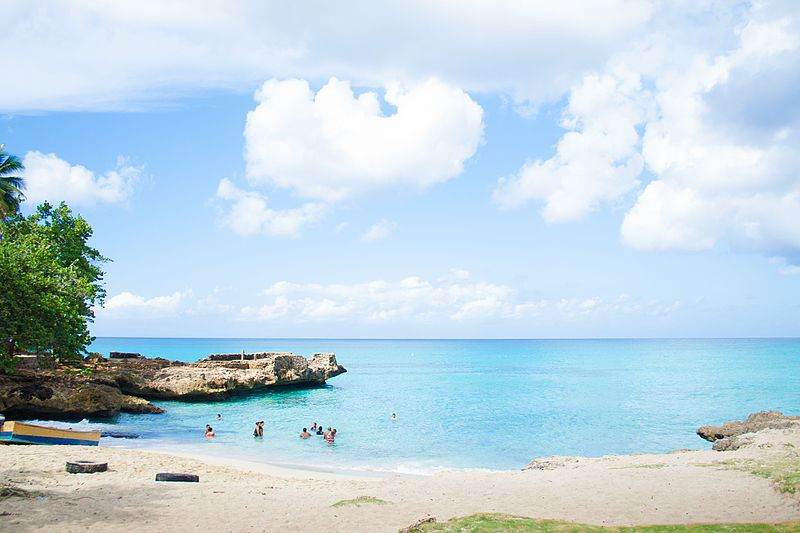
454 298
127 304
451 298
332 144
48 177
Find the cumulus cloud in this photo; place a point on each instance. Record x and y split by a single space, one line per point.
332 144
132 305
597 160
48 177
414 298
379 231
126 305
64 57
248 213
685 121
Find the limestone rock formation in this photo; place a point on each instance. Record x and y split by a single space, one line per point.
30 394
217 377
754 422
106 387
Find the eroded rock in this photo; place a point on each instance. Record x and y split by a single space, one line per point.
211 379
754 422
28 394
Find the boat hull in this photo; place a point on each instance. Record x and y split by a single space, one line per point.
21 433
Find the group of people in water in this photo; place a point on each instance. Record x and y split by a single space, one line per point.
329 435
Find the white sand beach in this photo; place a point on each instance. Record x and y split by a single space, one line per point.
679 487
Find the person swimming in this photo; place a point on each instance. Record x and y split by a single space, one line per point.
305 434
319 430
393 417
209 431
314 427
330 436
258 431
219 416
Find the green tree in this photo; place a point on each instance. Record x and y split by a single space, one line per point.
11 183
50 281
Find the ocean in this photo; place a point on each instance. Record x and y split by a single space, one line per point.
491 404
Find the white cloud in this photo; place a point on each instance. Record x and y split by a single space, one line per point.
48 177
334 144
379 231
99 55
127 304
418 300
248 213
598 160
679 109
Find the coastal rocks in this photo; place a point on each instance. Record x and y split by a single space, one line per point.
124 355
753 423
219 377
31 394
105 387
728 444
551 463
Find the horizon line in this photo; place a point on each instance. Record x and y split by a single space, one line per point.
450 338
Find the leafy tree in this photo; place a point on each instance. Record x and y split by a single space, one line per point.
11 183
50 280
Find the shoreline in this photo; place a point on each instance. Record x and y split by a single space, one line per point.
702 486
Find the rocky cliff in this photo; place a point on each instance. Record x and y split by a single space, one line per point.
106 387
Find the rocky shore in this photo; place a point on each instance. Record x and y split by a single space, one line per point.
125 382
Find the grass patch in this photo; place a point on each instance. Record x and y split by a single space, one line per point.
784 472
491 523
647 465
361 500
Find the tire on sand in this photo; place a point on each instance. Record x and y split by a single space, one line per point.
188 478
85 467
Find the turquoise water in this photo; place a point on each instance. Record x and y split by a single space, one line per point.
478 403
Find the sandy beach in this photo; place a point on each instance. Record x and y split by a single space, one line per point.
679 487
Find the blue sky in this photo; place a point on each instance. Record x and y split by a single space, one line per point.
494 192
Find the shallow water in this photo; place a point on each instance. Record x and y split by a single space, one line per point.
476 403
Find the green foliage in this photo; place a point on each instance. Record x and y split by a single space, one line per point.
11 183
361 500
491 523
51 279
783 471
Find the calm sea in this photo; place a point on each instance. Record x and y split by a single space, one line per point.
476 403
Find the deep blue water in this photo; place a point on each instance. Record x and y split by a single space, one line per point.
479 403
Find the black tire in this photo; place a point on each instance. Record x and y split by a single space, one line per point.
85 467
188 478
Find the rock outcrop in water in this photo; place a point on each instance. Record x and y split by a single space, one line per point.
751 424
219 376
106 387
59 394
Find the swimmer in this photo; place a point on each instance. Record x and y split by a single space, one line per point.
305 434
209 432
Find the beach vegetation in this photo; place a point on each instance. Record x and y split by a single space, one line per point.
783 471
52 280
493 522
361 500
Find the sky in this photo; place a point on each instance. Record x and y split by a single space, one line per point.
614 168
